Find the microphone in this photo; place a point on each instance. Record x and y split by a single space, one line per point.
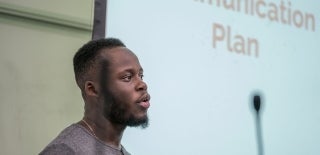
257 106
256 102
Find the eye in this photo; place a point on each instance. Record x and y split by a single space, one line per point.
141 76
127 78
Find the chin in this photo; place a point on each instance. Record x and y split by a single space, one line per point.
142 122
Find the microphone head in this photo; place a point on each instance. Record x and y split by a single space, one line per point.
256 102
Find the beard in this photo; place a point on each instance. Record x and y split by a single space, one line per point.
118 113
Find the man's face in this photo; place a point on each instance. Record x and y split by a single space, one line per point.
126 99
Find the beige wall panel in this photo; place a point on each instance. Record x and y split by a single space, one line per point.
80 9
38 94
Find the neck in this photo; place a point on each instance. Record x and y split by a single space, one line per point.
103 129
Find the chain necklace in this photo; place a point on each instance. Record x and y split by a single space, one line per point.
90 128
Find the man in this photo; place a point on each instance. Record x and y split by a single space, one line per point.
109 76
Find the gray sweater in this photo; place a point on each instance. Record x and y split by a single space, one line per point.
76 140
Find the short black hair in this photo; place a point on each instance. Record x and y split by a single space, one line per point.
86 56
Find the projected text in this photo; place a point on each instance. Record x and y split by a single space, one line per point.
223 35
281 13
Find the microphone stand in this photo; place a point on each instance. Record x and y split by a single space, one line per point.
259 134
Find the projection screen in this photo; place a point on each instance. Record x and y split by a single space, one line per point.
204 60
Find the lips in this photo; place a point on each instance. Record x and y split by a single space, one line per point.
144 101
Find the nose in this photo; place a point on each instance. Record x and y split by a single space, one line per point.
141 85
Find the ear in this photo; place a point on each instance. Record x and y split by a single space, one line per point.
91 88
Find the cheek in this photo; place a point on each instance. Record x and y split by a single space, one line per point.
124 96
123 93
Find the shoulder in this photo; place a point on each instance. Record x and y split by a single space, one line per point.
67 142
61 149
70 134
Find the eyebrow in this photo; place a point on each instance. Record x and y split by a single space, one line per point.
131 70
